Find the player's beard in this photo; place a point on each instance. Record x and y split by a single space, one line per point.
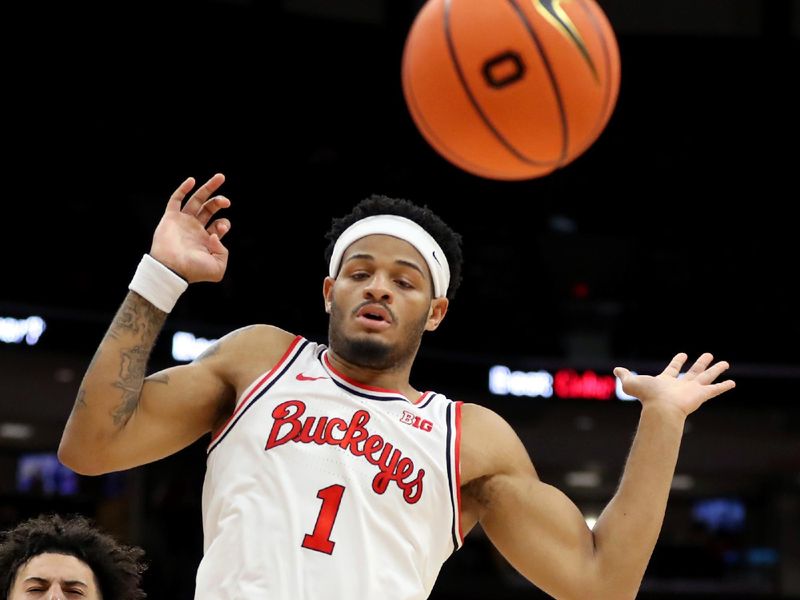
368 350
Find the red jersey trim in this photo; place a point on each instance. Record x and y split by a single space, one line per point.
363 386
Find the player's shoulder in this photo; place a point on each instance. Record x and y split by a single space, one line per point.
476 416
259 342
489 445
261 333
479 425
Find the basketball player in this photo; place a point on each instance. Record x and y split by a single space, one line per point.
329 475
55 558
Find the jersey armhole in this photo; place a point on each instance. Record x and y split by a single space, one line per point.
258 384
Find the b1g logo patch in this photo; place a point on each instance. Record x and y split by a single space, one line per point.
415 421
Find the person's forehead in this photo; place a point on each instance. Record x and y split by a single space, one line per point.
381 246
57 566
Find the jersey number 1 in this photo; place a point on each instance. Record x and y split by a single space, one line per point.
320 538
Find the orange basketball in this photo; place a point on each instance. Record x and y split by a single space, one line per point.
511 89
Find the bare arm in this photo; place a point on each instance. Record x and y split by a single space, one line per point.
543 534
107 429
123 421
112 392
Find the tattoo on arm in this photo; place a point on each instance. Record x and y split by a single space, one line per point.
137 316
140 320
130 381
134 331
80 399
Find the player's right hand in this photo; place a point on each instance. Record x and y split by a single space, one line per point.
186 240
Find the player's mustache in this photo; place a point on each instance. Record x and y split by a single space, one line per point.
368 302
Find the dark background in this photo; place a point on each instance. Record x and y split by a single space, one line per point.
674 232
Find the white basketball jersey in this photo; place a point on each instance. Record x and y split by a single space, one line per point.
319 487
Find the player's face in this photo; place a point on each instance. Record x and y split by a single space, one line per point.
54 577
381 302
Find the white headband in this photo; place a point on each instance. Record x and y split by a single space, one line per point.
408 231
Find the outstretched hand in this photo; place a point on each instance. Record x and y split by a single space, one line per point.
184 240
686 393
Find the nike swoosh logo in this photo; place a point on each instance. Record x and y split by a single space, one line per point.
554 12
301 377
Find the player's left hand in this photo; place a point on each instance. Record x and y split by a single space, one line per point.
685 393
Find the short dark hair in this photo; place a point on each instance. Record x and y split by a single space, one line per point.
377 204
117 568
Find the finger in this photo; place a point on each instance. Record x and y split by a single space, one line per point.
720 388
216 247
621 373
176 199
700 365
203 193
674 367
713 372
219 228
210 207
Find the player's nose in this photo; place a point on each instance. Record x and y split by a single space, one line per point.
56 593
378 287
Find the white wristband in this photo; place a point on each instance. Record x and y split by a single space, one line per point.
157 284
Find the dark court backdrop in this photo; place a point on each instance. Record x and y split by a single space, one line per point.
674 232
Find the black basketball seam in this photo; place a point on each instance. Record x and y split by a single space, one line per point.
599 124
553 82
474 102
441 144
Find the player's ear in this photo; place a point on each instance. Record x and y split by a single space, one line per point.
327 293
436 313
